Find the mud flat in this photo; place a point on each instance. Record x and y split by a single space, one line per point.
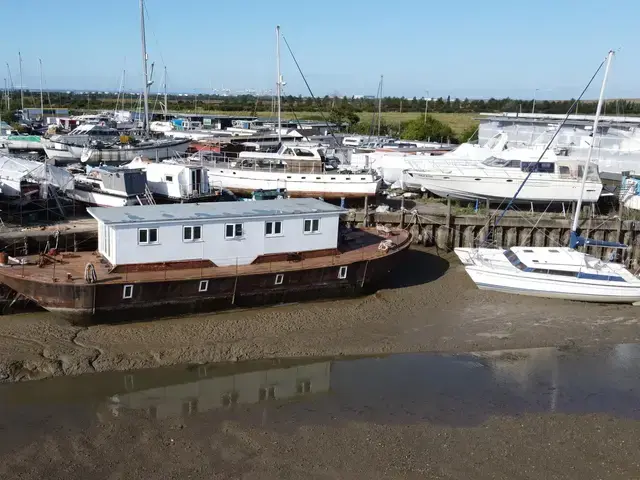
547 413
429 305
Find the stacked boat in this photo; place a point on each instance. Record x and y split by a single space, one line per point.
304 170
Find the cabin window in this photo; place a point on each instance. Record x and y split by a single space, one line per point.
147 236
203 286
168 178
287 152
233 230
303 153
279 279
272 229
192 233
342 273
311 226
127 291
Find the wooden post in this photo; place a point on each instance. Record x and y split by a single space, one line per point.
619 228
402 211
366 212
488 205
448 212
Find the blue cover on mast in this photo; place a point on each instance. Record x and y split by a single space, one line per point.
577 240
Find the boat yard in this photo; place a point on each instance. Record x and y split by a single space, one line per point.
308 281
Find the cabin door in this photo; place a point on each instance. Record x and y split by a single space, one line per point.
196 180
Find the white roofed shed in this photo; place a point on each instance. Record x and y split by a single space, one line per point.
227 233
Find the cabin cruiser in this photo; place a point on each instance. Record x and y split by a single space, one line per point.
497 178
108 186
303 170
176 182
560 272
391 164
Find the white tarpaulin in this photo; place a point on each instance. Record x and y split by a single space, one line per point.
15 169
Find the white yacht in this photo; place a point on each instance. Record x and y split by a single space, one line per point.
391 164
551 273
108 186
555 272
554 179
301 170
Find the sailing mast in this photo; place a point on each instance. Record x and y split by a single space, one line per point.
11 85
279 83
41 96
380 103
585 173
21 86
145 120
166 105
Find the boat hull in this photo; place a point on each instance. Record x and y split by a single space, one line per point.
312 185
472 188
101 199
547 286
103 303
64 152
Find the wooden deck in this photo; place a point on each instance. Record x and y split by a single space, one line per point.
360 245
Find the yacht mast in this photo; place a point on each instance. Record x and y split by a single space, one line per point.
278 83
145 120
166 105
380 103
596 121
41 97
9 85
21 87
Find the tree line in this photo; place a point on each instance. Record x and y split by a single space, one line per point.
253 103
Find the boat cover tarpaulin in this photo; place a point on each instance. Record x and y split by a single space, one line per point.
15 168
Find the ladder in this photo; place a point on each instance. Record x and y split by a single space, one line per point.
147 198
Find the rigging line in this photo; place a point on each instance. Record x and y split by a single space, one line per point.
555 134
309 88
153 33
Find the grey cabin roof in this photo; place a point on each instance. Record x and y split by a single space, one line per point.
212 211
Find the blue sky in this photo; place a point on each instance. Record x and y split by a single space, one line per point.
465 48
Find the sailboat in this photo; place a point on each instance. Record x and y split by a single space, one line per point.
551 272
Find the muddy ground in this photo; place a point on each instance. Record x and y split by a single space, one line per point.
428 305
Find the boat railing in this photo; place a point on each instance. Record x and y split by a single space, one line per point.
232 162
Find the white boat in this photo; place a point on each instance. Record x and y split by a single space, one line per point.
555 179
552 272
391 165
301 178
175 182
24 143
108 186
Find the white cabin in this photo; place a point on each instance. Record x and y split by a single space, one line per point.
226 233
172 180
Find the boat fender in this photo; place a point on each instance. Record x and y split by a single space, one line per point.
90 275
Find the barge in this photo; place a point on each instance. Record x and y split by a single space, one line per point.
158 260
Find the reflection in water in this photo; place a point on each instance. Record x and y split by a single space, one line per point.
223 391
455 390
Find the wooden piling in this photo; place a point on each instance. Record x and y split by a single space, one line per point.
366 212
